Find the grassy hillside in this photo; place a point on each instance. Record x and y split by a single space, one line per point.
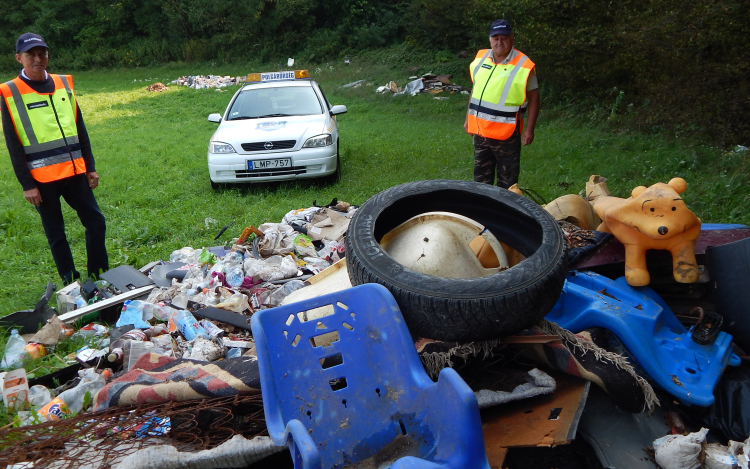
150 150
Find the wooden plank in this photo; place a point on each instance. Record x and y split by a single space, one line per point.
147 268
334 268
496 456
527 423
80 312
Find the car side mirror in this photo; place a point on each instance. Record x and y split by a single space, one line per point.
338 109
216 117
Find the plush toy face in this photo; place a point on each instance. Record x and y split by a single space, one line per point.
657 212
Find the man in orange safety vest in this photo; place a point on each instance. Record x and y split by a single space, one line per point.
51 154
505 86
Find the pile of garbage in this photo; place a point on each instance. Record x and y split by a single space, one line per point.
158 87
427 83
257 271
200 82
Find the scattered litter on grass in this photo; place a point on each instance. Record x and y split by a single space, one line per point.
200 82
428 83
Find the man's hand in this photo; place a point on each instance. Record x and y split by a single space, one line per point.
528 136
528 132
93 179
33 196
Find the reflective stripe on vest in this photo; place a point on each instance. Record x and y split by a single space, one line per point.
499 95
46 127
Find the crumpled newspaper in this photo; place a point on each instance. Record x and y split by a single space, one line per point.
278 239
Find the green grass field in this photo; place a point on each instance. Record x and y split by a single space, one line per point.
150 150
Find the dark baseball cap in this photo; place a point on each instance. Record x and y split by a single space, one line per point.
500 27
27 41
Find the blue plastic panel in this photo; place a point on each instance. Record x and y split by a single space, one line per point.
654 336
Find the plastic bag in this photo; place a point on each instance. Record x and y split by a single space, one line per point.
718 457
730 413
15 351
332 251
303 246
300 216
252 265
316 264
680 452
237 303
278 268
204 350
135 312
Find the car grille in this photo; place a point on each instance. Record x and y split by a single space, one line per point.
261 146
257 173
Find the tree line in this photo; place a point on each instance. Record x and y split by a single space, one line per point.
670 63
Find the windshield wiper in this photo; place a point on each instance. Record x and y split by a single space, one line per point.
274 115
242 118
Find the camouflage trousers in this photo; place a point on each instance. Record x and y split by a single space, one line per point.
505 155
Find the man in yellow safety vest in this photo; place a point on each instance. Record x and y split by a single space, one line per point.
51 154
505 86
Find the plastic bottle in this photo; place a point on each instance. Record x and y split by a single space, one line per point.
74 397
189 326
133 351
14 351
117 355
234 258
234 352
39 396
156 330
235 276
80 302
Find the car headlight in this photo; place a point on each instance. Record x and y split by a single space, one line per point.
220 147
318 141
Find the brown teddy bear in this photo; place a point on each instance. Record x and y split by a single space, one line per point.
653 218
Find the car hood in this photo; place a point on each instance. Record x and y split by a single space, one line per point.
298 128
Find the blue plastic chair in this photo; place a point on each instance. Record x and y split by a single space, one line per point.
343 385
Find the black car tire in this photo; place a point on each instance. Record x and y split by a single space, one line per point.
462 309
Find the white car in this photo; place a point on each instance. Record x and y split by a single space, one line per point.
278 126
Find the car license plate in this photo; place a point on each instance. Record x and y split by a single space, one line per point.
270 164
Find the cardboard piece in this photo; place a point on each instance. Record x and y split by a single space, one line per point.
15 390
65 301
547 420
333 279
49 335
328 224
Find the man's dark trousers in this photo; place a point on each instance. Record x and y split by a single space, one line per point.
77 193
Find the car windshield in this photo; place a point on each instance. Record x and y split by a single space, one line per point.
275 102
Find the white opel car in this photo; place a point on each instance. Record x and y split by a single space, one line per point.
278 126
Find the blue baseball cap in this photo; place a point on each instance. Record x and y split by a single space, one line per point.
500 27
28 41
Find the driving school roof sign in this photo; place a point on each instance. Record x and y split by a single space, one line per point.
278 76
